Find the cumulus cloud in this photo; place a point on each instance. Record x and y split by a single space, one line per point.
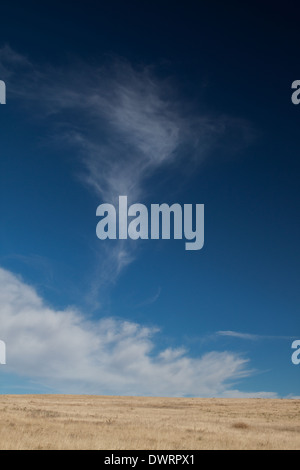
71 354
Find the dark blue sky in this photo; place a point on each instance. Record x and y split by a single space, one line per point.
187 103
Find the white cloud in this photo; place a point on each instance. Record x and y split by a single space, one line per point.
125 124
251 337
150 300
64 350
235 334
238 394
123 121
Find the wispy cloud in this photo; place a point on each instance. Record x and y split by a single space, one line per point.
123 122
150 300
239 394
252 337
65 351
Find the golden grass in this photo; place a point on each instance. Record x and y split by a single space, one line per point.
133 423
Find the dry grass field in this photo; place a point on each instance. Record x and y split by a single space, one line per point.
133 423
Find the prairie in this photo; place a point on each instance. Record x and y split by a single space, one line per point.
132 423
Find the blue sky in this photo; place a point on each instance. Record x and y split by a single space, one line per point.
188 104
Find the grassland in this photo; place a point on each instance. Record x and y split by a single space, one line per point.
118 423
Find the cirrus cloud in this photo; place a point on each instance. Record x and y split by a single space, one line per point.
125 125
